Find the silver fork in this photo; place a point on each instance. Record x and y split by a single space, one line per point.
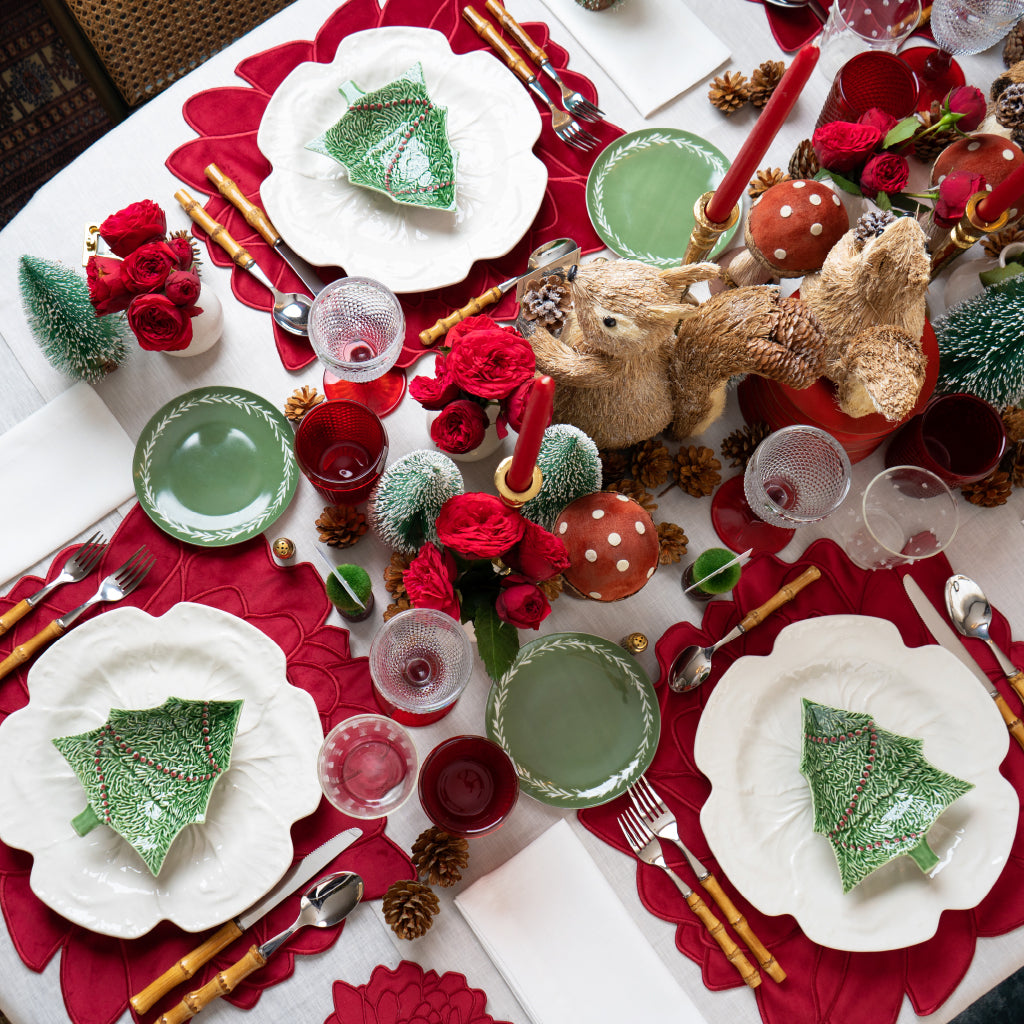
643 842
653 812
574 102
563 124
119 584
76 568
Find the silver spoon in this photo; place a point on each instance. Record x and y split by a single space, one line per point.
693 664
815 8
972 615
324 904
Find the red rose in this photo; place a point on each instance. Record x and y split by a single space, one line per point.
133 226
107 292
513 407
428 581
478 525
437 391
158 323
879 119
487 360
538 556
954 191
885 172
183 250
969 104
522 604
459 427
841 146
146 269
182 287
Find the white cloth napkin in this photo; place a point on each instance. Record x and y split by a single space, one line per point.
62 468
652 49
566 945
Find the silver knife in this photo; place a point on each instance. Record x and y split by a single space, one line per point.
312 864
943 634
256 218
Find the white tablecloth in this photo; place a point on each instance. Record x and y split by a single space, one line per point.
127 165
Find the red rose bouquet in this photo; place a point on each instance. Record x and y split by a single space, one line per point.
489 567
151 278
481 363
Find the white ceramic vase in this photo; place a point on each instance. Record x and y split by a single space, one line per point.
488 446
207 327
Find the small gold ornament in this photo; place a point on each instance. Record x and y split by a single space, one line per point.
284 548
635 643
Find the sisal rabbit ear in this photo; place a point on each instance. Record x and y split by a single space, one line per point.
689 273
670 314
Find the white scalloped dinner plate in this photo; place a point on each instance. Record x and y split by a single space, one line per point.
492 126
758 819
127 658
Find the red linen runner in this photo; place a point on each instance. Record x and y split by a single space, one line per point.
227 120
98 973
822 984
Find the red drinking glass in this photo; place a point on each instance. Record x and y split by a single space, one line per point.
468 786
959 437
341 448
871 79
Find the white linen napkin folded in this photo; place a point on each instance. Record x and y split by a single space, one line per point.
653 50
64 467
554 927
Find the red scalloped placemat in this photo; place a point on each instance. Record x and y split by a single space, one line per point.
227 120
823 984
99 973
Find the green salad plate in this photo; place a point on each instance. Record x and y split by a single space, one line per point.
215 466
578 717
641 191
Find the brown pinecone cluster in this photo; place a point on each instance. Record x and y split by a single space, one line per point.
635 490
341 526
763 180
738 446
615 464
995 244
997 487
300 402
394 584
440 857
733 90
1009 110
928 147
697 470
1013 48
672 543
804 162
546 300
410 908
650 463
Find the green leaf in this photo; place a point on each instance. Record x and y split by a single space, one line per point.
901 132
496 640
882 201
844 183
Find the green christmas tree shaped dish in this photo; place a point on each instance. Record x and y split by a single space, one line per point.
394 140
874 794
148 773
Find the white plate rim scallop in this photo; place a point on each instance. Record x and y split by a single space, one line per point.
493 124
126 657
759 823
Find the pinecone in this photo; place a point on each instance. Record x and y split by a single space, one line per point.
1013 48
729 92
301 401
552 588
439 856
994 490
1013 464
400 604
672 543
763 80
614 464
995 244
636 491
738 446
763 180
651 464
871 224
409 907
341 526
1014 73
696 470
804 162
1013 420
394 574
546 300
1009 108
928 147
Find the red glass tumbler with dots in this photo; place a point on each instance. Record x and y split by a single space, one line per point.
341 448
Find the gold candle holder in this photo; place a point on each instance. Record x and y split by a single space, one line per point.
516 499
965 233
706 233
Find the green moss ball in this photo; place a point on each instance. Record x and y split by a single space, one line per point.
708 562
357 578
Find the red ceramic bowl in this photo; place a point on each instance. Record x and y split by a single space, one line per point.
468 786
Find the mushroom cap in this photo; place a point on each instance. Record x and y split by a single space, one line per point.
793 225
990 155
612 543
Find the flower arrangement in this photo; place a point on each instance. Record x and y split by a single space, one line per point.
866 158
487 567
481 363
151 277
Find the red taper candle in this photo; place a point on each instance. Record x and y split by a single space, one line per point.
1008 192
536 420
774 114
